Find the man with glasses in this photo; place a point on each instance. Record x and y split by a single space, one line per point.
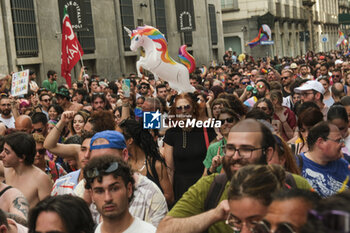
287 81
245 81
322 165
50 83
336 76
149 203
45 101
249 142
6 116
39 123
144 89
313 91
110 183
263 88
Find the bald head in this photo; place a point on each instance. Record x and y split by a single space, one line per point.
24 123
337 91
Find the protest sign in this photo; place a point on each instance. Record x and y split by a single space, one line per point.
19 85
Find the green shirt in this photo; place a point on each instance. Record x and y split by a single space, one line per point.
192 202
212 152
50 86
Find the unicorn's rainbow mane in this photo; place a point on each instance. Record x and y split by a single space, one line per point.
156 36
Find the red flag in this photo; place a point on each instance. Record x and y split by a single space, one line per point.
71 49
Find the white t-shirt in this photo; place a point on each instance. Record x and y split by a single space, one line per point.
137 226
9 122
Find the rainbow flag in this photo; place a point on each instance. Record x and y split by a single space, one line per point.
341 40
262 36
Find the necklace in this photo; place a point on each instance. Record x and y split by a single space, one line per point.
143 167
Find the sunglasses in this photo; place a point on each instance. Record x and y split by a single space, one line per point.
265 227
46 100
229 84
284 78
333 220
335 76
94 172
42 151
183 108
260 86
228 120
40 130
98 94
245 83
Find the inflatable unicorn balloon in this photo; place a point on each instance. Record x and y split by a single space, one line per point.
158 61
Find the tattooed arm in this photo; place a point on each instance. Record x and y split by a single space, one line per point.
20 206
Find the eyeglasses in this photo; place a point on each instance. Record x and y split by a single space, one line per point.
261 86
98 94
46 100
244 153
94 172
245 83
284 78
183 108
236 224
333 220
42 151
265 227
307 93
40 130
228 120
335 76
339 141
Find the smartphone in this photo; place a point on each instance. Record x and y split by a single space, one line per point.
126 87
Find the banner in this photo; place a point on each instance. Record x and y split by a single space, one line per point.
19 84
75 12
185 15
71 49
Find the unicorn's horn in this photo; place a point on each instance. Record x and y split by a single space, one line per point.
127 30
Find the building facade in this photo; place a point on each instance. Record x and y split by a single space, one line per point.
30 33
297 25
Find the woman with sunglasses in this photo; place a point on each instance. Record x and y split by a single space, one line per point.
212 162
250 194
185 147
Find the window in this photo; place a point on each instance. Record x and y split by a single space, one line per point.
160 16
86 37
127 15
229 4
212 21
188 38
24 27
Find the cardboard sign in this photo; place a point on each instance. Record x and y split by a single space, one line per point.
19 85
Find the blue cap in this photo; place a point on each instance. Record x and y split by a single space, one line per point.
115 140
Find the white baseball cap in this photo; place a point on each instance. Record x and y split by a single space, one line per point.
311 85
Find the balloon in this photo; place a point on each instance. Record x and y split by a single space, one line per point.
158 61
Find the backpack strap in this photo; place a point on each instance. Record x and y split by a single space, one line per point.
290 181
216 189
4 190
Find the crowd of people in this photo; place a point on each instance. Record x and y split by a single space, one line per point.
79 159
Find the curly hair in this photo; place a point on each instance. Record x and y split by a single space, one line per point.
102 120
190 99
101 163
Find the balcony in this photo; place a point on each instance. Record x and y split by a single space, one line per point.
308 3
